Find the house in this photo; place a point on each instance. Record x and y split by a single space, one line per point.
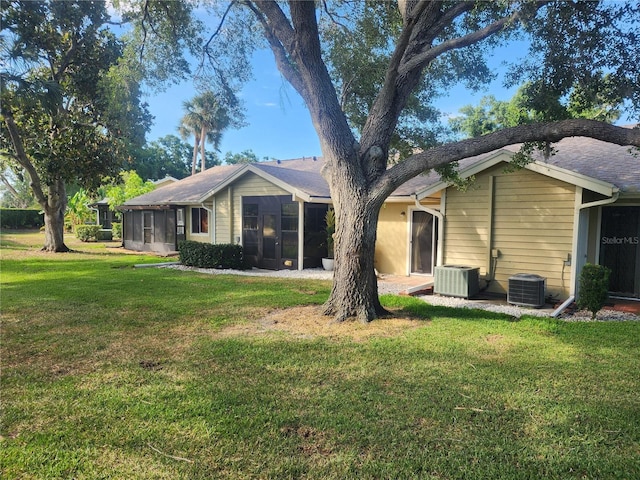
581 204
106 217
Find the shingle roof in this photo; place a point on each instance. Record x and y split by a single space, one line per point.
593 158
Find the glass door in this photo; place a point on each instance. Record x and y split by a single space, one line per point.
620 249
423 242
270 241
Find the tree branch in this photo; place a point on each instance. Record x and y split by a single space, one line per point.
279 34
22 159
420 61
546 132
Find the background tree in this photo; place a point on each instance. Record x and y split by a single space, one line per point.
130 185
78 211
70 104
166 156
14 187
206 119
246 156
369 72
598 102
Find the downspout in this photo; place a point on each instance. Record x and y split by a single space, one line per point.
582 206
439 215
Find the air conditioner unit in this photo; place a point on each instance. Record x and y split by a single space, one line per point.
526 289
456 281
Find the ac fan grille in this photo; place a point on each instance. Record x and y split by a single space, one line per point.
526 290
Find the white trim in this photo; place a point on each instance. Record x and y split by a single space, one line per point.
436 242
262 174
300 235
575 261
553 171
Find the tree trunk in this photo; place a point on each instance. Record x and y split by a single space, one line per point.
355 286
194 160
203 136
54 218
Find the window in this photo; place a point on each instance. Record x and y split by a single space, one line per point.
199 220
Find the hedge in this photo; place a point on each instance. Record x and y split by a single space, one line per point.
206 255
21 218
87 233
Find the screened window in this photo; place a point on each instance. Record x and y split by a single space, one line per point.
289 224
250 228
199 220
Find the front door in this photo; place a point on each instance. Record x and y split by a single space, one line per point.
270 241
620 249
424 234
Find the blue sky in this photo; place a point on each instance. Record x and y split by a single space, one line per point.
278 123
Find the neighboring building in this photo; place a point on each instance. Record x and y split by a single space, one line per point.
580 205
106 216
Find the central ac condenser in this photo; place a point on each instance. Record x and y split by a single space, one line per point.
456 281
526 289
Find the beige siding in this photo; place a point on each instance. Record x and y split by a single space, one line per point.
531 226
223 214
467 225
392 240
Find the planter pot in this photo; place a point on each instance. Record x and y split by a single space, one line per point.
327 263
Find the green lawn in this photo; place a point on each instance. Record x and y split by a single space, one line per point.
110 371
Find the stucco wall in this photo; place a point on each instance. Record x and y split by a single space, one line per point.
392 241
531 225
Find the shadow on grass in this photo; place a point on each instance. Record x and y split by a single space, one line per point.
421 309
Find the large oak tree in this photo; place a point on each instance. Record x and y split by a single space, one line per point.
370 71
70 104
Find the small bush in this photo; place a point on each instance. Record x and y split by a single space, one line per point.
206 255
87 233
104 235
21 218
594 288
116 228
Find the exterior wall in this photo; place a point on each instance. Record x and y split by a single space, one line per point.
392 241
526 216
222 205
467 225
162 236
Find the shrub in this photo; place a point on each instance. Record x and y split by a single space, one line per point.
87 233
116 228
104 235
21 218
206 255
594 288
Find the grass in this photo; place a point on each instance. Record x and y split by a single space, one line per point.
109 371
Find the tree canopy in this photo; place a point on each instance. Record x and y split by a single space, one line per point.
71 108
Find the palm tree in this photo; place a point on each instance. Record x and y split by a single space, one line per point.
205 119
